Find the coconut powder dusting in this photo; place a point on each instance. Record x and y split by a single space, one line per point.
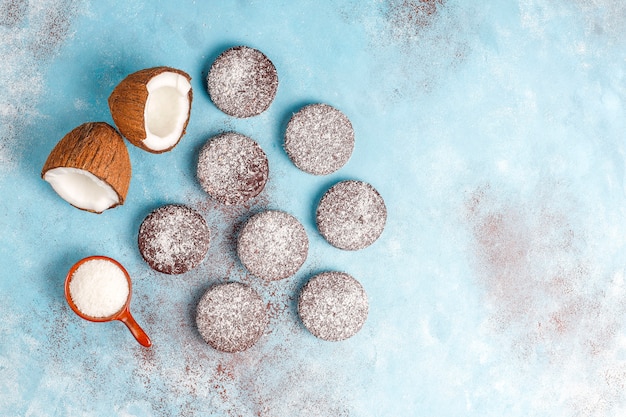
99 288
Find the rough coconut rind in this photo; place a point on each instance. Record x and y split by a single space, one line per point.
95 147
127 104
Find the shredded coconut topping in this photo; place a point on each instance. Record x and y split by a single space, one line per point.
242 82
231 317
174 239
232 168
333 306
99 288
273 245
351 215
319 139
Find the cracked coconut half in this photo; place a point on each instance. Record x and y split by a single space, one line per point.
90 167
151 107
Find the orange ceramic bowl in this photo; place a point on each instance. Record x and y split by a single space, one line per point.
122 315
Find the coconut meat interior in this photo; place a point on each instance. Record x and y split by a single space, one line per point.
166 110
82 189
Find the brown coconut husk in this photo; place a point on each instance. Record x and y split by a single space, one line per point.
127 103
98 148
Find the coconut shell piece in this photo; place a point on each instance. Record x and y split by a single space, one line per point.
98 149
128 102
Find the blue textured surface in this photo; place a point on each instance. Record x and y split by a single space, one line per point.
495 133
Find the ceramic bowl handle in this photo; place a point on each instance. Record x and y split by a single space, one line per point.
135 329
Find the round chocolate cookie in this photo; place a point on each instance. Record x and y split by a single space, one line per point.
319 139
351 215
173 239
333 306
272 245
242 82
231 317
232 168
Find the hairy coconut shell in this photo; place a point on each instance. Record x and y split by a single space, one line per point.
98 148
127 104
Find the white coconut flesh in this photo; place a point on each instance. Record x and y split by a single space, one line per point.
166 111
82 189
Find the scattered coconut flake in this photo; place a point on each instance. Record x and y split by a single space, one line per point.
99 288
31 32
12 13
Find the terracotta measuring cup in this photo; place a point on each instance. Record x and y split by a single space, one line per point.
122 315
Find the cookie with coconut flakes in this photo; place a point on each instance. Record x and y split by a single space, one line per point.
272 245
231 317
319 139
173 239
333 306
242 82
351 215
232 168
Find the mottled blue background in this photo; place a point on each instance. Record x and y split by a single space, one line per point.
494 131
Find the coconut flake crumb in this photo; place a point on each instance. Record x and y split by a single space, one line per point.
99 288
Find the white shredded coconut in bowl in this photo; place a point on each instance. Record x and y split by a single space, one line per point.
99 288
